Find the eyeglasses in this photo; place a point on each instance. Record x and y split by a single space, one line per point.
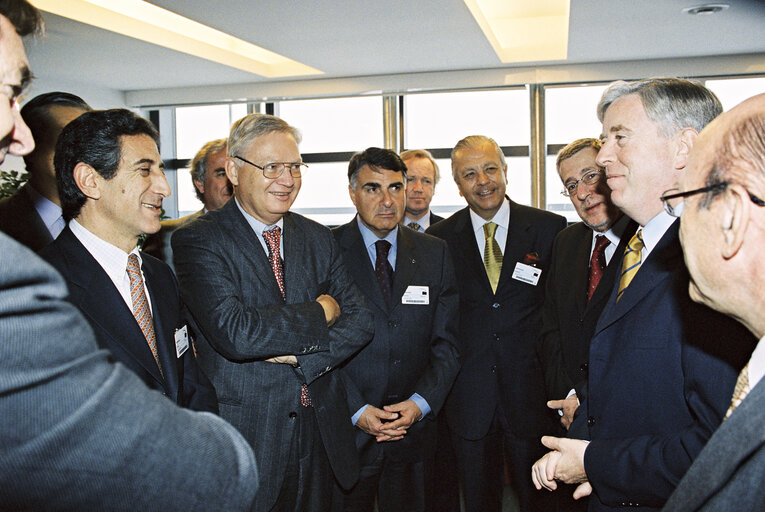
275 169
590 178
671 201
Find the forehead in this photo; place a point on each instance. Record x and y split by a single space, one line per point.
419 165
625 110
14 67
379 175
476 155
216 159
274 145
135 148
579 163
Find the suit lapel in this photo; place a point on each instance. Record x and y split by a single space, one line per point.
517 241
406 264
360 265
614 266
465 241
580 280
162 317
294 251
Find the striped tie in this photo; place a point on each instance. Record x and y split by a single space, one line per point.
141 310
631 264
740 392
492 255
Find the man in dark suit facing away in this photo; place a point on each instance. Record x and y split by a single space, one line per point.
501 252
33 214
112 183
398 383
278 313
421 180
660 377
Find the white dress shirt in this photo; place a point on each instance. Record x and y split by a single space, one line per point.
501 219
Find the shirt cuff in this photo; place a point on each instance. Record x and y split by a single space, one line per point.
358 414
421 403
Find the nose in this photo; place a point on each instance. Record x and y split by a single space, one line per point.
582 190
22 142
605 155
286 178
481 177
161 186
415 185
387 199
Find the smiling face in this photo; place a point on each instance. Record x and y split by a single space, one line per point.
379 198
481 178
265 199
592 202
216 188
420 186
15 137
638 159
130 203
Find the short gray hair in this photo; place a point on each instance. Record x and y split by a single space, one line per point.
250 127
422 153
473 142
672 103
199 162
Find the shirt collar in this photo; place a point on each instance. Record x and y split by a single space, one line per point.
501 218
111 258
370 238
257 226
655 229
615 232
48 210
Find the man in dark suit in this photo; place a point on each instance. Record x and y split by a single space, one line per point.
501 251
580 277
111 184
421 180
722 229
278 313
659 378
397 384
80 432
213 189
33 214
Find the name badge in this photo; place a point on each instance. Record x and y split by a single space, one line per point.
527 273
416 295
181 340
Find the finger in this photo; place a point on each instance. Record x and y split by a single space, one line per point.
555 404
582 490
550 442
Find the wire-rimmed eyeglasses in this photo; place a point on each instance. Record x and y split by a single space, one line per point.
273 170
672 199
591 177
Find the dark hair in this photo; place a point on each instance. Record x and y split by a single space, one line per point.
26 19
376 158
94 138
36 112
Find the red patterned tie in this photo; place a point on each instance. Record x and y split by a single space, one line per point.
597 264
141 310
273 238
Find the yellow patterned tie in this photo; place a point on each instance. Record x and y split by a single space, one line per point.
492 255
741 390
631 263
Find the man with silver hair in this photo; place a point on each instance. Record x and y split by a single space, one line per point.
422 176
212 187
659 381
277 313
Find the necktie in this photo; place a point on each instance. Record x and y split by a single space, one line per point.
414 226
273 240
383 270
492 255
597 264
141 310
741 390
631 263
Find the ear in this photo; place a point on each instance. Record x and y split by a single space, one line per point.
735 219
684 140
232 171
352 193
87 180
199 185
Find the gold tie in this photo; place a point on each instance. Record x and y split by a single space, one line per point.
741 390
631 263
492 255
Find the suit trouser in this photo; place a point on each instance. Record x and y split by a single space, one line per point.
480 467
308 482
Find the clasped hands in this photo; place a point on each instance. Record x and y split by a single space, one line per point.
391 422
331 314
564 463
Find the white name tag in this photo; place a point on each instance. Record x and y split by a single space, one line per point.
416 295
527 273
181 340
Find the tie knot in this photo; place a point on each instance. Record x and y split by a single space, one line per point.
133 266
489 229
414 226
382 247
636 242
273 238
601 242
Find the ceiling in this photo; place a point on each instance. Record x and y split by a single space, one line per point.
354 38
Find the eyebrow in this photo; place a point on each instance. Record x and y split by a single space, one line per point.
150 161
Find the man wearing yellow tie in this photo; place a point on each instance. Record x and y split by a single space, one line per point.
501 251
658 382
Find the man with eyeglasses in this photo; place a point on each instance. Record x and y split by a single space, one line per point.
580 277
722 230
277 313
501 251
658 383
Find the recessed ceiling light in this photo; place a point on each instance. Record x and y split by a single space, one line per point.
706 9
148 22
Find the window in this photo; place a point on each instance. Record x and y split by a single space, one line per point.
733 91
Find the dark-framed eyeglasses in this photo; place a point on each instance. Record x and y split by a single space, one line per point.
273 170
672 197
591 177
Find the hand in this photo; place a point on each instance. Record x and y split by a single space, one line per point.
371 422
569 406
584 489
291 360
569 468
543 471
408 414
331 308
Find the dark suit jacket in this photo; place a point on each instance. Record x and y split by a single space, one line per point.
729 472
20 220
568 320
414 349
661 374
499 332
116 329
435 218
158 244
83 433
228 284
